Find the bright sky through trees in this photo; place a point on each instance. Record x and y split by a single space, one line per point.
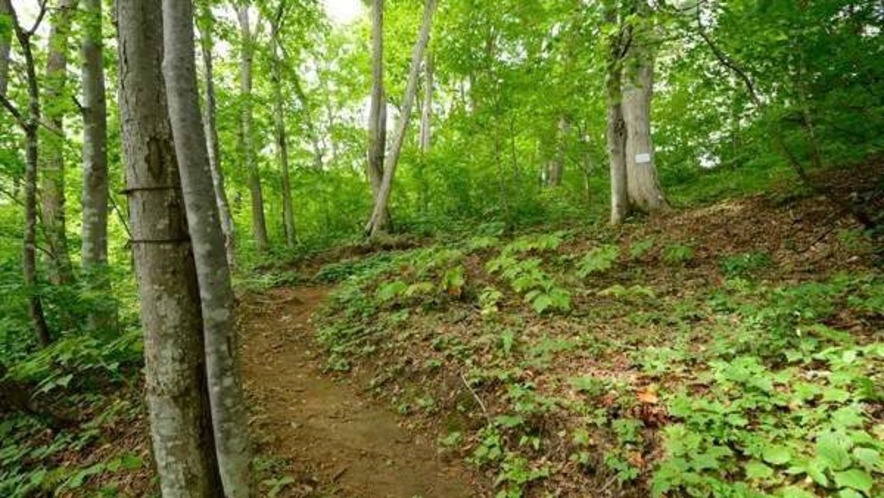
343 11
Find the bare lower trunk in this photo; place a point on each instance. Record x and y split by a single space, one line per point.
229 417
377 117
616 128
616 134
645 192
377 223
557 164
95 178
288 214
259 225
213 146
175 370
52 161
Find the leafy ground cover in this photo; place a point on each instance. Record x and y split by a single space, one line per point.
734 350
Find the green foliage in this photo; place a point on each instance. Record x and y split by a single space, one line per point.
678 254
527 278
598 260
744 264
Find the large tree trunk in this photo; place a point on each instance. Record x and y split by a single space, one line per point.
229 417
95 178
377 223
377 116
288 213
616 128
212 142
52 162
30 123
645 192
175 370
247 52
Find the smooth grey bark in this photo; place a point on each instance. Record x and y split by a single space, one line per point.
175 370
616 127
247 54
212 141
643 183
378 221
288 213
377 116
29 123
229 417
426 134
95 177
52 163
557 163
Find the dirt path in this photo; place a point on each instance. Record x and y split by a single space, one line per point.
340 442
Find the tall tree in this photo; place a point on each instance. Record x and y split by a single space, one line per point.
175 370
30 124
95 177
206 20
53 141
617 44
277 62
643 183
229 417
377 115
247 147
378 220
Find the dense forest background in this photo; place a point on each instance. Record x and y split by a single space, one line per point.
476 119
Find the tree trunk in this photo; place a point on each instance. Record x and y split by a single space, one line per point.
212 142
30 123
95 178
229 417
557 164
616 128
288 214
645 192
259 225
377 223
53 140
175 370
377 116
426 135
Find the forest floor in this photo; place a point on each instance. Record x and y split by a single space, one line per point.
327 435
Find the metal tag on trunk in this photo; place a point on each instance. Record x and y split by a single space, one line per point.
642 158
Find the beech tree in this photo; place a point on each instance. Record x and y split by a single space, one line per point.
247 148
643 183
282 148
377 115
379 217
206 20
52 164
229 417
95 175
175 365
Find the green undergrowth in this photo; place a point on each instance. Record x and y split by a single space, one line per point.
74 429
562 363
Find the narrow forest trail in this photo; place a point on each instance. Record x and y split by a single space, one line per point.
339 441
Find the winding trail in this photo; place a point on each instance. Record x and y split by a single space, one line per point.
339 441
